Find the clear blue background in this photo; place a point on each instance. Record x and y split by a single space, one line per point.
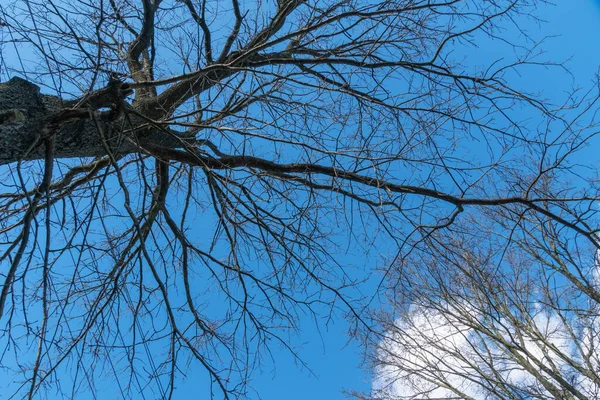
334 359
337 365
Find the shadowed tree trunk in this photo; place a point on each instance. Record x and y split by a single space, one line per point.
84 127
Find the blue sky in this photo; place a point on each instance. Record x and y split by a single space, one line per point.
573 29
335 360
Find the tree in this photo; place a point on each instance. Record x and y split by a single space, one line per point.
181 178
508 309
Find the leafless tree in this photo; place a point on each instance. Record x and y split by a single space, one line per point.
181 178
503 305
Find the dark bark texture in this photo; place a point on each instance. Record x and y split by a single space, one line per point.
85 127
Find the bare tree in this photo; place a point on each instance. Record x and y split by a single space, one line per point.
181 177
504 305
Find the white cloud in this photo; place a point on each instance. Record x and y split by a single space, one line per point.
590 346
542 344
428 346
427 354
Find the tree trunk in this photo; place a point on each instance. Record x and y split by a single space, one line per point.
80 128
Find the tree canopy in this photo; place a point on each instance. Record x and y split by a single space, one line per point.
183 180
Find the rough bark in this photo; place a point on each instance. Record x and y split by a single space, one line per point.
81 128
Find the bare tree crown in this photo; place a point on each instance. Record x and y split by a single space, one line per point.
181 178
